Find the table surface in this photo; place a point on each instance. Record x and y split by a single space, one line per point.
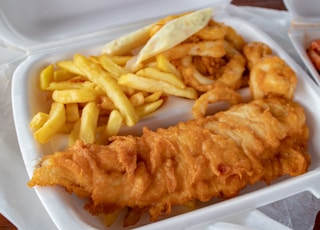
274 4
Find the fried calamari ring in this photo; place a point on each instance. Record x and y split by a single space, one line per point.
203 48
211 33
231 75
234 69
254 51
195 79
234 38
272 76
218 92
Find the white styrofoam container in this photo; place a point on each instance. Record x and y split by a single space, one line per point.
49 31
305 27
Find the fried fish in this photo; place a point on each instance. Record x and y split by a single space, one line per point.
214 156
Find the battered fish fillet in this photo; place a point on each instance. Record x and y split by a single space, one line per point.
215 156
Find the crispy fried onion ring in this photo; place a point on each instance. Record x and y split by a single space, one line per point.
230 73
272 76
254 51
218 92
230 34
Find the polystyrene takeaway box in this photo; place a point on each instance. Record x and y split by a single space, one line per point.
53 30
305 27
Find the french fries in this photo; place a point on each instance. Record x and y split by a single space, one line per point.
93 103
97 75
108 64
93 96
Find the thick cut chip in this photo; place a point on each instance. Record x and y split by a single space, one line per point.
153 97
74 134
46 77
69 66
72 112
38 120
62 75
112 127
110 218
114 123
74 95
108 64
151 85
105 103
56 119
67 128
148 108
161 76
137 99
89 120
121 60
69 85
165 65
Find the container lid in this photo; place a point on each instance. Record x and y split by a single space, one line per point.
304 12
26 24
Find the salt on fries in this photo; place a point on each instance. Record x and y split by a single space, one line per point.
93 97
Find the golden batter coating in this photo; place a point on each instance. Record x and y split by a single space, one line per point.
215 156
